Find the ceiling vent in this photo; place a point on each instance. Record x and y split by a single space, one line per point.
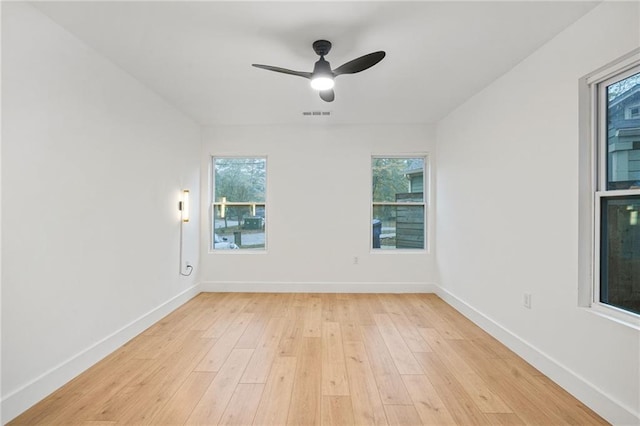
316 113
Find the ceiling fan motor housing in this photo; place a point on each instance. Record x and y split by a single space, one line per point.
322 47
322 68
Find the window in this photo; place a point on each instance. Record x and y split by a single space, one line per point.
239 203
617 200
398 203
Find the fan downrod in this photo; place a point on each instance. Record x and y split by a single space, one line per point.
321 47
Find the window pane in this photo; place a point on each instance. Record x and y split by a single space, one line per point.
239 203
238 227
240 179
398 227
392 177
623 133
620 252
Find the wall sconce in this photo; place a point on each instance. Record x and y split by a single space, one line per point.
183 205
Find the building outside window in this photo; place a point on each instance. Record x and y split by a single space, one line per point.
239 203
398 203
617 200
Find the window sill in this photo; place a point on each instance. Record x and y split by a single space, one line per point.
619 316
398 251
238 252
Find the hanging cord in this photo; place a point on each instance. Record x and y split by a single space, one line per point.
189 268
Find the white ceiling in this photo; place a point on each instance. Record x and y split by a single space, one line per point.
198 55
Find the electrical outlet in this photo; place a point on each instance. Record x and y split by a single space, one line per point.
526 301
355 260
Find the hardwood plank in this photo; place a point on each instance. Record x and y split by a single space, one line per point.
251 335
107 407
360 310
415 315
493 348
226 317
374 306
86 392
274 404
150 346
306 395
179 407
367 405
525 401
476 388
259 304
425 398
211 406
337 411
170 321
313 316
153 394
329 307
402 415
281 305
221 349
505 419
292 333
402 356
453 395
243 404
409 333
390 385
425 303
334 371
210 308
351 332
571 409
258 368
462 326
128 391
345 308
560 405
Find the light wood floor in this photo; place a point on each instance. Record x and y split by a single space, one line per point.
303 359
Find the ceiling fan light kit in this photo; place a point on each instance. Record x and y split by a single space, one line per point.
322 77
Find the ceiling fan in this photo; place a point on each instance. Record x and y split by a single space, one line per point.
322 76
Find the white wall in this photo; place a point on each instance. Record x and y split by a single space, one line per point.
92 166
318 195
507 208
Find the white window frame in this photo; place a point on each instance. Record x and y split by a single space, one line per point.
214 205
594 86
426 182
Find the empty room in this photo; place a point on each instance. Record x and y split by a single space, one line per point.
336 213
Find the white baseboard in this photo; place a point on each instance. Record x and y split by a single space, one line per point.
20 400
603 404
315 287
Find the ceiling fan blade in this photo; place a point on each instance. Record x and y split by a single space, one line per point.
283 70
360 64
327 95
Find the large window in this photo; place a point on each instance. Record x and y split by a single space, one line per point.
617 200
239 203
398 203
